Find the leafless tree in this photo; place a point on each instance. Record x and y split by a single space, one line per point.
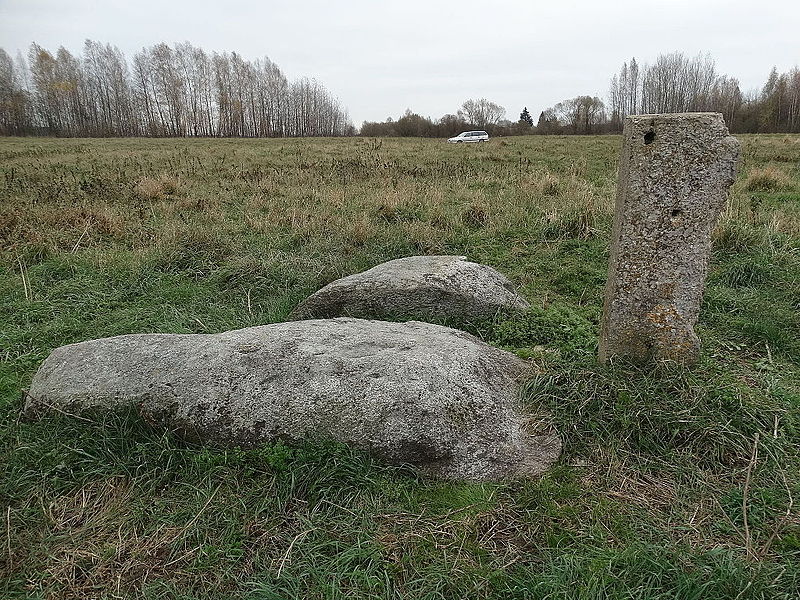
169 91
14 112
481 113
109 90
580 115
674 83
726 98
624 93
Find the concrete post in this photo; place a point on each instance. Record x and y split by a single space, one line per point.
674 175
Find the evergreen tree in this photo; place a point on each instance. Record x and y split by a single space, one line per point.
525 117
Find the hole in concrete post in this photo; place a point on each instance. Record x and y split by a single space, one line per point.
649 137
675 213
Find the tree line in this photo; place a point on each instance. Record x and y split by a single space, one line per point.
480 114
166 91
183 91
673 83
677 83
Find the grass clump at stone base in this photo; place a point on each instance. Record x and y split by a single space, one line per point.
673 483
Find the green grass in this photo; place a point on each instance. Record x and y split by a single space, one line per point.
673 483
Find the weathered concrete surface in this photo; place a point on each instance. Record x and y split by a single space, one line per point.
674 175
416 287
409 392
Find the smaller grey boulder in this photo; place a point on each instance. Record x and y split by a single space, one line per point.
417 287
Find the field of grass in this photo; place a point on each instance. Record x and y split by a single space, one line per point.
673 483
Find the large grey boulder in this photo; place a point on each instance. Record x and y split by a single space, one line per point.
409 392
417 287
674 175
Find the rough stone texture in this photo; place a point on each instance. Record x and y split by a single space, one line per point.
674 175
409 392
421 287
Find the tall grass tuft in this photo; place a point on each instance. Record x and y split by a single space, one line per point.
767 179
157 188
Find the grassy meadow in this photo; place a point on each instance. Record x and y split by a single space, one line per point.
673 483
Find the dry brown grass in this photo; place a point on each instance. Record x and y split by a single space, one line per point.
767 179
549 185
785 222
157 188
458 533
99 550
222 244
476 215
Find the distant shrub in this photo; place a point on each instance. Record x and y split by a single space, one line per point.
768 179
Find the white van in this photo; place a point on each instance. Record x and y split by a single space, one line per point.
470 136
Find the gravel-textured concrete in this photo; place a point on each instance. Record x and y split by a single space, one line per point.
674 175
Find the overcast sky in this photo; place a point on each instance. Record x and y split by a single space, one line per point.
381 57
